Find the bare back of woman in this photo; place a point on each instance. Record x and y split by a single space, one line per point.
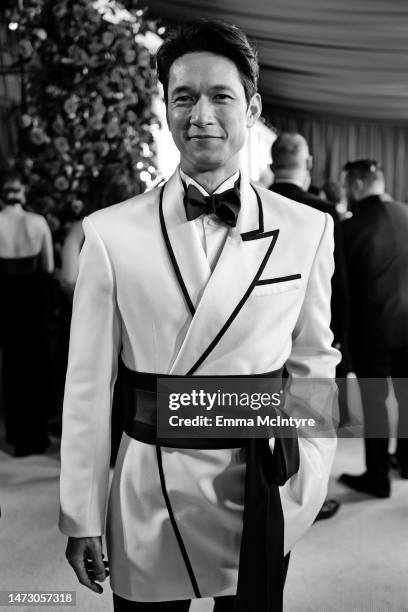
25 234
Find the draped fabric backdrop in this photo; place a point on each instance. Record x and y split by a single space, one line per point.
334 141
335 71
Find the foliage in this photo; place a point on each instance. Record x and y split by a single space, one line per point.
87 121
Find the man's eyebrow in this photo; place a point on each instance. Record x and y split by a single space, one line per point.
187 89
181 89
222 87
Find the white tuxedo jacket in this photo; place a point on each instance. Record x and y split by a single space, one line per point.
128 298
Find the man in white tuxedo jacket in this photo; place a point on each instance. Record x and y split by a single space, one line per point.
203 276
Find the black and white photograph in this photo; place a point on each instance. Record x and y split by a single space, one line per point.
204 305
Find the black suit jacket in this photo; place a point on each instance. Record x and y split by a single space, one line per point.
296 193
376 248
339 300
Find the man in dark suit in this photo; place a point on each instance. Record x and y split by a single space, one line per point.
291 165
376 249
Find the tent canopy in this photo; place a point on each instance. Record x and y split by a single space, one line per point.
347 58
335 71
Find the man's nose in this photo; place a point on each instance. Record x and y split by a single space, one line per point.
202 112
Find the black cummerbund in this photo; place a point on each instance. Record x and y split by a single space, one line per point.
141 407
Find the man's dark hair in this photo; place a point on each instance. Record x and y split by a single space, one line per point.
333 192
367 170
212 36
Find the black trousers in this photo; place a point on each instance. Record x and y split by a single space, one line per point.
372 365
222 604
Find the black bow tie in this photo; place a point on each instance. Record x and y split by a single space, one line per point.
225 205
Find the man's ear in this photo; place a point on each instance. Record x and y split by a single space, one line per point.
254 110
309 163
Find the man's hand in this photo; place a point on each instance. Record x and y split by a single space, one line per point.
86 559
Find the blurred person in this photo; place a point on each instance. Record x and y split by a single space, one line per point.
292 165
166 279
376 250
26 259
317 191
71 249
111 187
334 194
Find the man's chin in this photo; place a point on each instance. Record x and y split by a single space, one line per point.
207 160
207 166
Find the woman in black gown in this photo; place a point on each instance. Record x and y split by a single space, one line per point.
26 259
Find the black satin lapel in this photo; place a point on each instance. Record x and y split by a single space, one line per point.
251 235
172 256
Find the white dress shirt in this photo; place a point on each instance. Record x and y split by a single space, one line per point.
211 231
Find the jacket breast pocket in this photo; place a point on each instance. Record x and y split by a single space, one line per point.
273 286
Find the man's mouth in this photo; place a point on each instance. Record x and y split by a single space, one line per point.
203 136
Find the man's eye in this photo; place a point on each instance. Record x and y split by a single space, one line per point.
183 99
223 97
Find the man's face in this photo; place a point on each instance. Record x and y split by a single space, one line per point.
13 192
207 111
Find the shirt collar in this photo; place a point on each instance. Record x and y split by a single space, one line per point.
228 184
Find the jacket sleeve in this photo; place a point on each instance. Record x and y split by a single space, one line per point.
92 369
311 392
